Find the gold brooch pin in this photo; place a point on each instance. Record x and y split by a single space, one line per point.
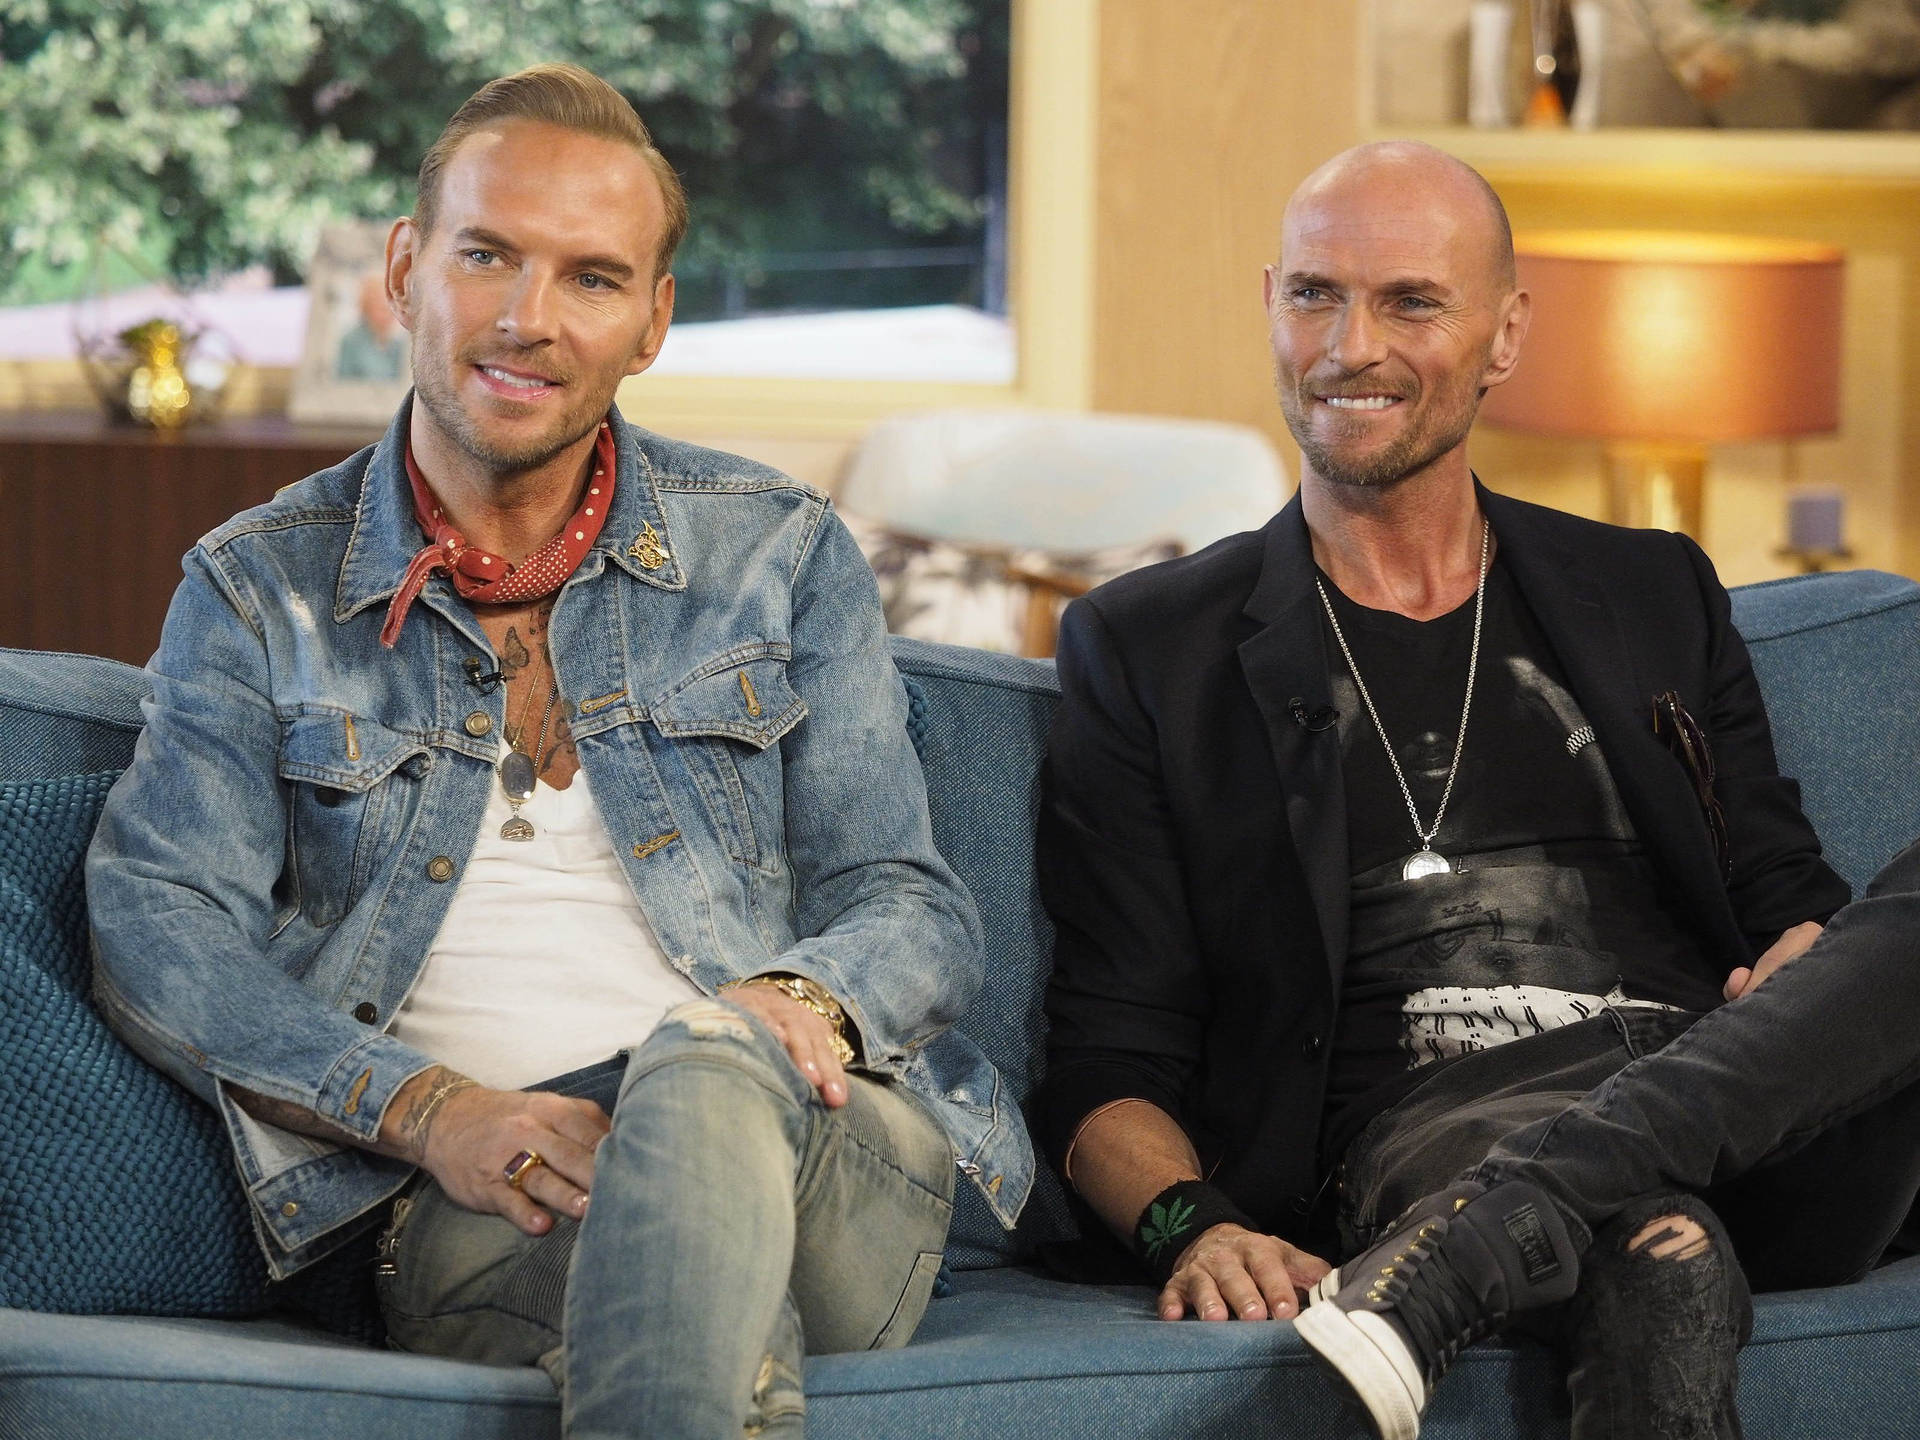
648 550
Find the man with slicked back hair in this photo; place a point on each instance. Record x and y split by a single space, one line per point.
526 854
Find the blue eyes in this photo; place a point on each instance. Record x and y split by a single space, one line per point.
588 279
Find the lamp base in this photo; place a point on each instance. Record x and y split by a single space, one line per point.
1656 487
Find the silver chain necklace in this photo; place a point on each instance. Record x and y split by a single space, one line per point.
1426 860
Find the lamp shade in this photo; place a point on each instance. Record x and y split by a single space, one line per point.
1675 338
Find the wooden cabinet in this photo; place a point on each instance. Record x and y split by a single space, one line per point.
98 515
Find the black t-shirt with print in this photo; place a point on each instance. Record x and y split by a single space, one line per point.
1551 896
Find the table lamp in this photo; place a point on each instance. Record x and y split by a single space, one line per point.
1662 344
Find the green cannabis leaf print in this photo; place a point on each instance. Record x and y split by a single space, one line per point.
1163 1223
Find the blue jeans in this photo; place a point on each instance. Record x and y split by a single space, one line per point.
736 1224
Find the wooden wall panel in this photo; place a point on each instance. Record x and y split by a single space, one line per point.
99 517
1209 114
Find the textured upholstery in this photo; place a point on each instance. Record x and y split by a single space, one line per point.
1007 1353
1836 657
87 1223
83 1226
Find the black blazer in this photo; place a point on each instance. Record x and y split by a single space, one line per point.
1192 834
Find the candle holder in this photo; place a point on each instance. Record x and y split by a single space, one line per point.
1811 562
1814 529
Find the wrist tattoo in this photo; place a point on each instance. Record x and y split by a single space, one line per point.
417 1122
289 1116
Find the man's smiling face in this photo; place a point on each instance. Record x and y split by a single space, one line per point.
534 295
1389 314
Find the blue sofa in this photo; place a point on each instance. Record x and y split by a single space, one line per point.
131 1303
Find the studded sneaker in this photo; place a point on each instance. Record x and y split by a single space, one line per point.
1453 1268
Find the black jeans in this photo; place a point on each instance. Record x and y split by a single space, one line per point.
1793 1113
1650 1346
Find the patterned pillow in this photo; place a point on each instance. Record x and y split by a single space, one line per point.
992 597
117 1189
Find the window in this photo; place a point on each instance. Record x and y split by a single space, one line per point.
856 207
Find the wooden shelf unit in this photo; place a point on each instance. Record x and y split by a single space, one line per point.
99 515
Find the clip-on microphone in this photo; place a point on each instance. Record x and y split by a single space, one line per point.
486 682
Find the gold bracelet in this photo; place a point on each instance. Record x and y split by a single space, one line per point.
817 998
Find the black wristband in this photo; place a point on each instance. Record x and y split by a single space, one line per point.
1175 1218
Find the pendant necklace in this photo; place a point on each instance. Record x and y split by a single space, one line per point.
519 771
1426 860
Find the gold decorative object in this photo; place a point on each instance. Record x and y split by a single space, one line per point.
168 370
648 549
157 390
148 373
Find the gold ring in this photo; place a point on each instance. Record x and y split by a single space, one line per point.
517 1168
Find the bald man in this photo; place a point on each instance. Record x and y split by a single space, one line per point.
1424 881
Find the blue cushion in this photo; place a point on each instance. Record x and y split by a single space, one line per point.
985 723
1010 1354
88 1220
119 1197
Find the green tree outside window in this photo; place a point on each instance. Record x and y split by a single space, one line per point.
839 153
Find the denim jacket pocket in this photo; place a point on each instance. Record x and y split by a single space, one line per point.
335 764
723 719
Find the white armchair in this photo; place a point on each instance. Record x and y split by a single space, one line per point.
982 524
1063 481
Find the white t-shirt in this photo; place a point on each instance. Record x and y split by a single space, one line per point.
544 963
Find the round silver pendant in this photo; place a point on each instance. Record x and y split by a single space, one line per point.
516 776
517 829
1423 863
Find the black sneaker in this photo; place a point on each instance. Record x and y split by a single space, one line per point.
1450 1272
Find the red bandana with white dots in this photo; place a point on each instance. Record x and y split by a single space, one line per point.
488 579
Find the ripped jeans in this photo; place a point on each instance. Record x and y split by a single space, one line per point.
736 1225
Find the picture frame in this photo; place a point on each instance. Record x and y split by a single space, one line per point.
356 363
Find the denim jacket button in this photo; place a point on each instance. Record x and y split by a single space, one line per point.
365 1012
479 723
290 1209
439 868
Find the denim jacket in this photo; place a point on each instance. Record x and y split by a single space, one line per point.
273 866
